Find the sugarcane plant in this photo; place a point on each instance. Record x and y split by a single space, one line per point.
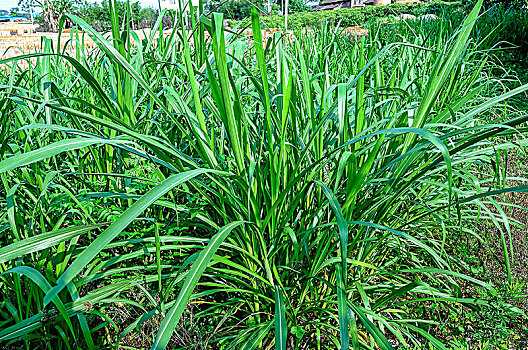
297 190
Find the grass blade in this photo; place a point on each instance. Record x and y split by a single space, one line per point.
172 317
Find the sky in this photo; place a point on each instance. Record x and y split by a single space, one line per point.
9 4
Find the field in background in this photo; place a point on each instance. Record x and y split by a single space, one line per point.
14 45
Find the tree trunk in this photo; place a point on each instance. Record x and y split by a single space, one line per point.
51 17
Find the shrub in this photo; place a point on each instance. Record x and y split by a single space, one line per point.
236 9
349 17
99 15
295 6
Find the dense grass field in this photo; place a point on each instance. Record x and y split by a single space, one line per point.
209 190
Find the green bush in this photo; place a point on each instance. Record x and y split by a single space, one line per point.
98 15
295 6
349 17
241 9
236 9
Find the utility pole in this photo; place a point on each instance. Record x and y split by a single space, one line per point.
286 14
31 12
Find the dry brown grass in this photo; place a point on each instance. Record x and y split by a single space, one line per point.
15 45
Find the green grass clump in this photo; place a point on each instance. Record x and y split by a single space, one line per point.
297 194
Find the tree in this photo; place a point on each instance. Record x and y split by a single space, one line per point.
14 11
98 15
52 10
297 6
236 9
